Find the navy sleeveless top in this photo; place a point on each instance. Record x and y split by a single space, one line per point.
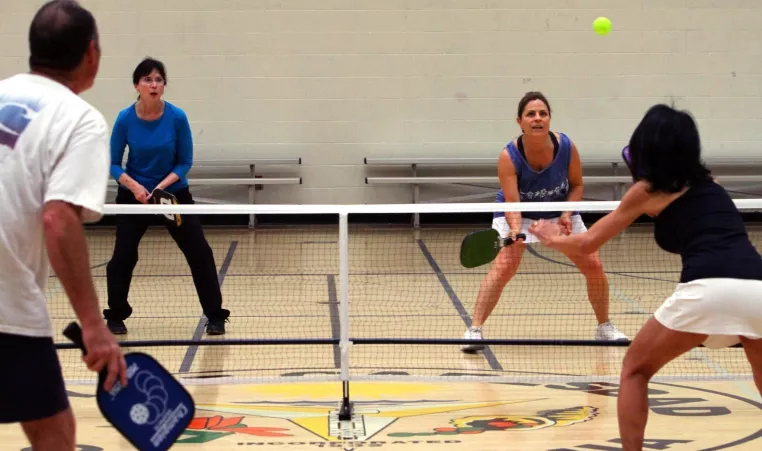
705 228
548 185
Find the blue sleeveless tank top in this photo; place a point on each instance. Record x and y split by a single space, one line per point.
548 185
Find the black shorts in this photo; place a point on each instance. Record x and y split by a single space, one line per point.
31 380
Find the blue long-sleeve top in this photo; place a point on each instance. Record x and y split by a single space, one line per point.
156 147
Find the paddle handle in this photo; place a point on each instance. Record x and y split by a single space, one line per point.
508 241
74 333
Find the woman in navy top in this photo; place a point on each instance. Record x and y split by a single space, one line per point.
539 166
160 155
718 300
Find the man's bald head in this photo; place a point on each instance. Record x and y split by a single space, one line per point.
60 35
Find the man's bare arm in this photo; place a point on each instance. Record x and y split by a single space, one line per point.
68 253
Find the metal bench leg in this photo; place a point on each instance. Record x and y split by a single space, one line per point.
416 197
252 198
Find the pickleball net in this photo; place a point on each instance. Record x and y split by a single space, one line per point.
357 292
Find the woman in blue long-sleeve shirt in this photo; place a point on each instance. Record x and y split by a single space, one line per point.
160 155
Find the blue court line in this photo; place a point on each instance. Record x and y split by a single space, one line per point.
190 354
488 354
333 308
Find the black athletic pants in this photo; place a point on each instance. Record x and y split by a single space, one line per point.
189 236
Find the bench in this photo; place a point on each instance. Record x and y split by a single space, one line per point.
252 182
619 177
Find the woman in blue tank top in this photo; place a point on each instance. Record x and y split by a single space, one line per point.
718 300
539 166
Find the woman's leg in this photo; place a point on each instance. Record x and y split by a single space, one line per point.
597 283
129 231
503 269
193 244
653 347
597 293
753 349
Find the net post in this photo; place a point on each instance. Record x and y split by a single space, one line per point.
345 412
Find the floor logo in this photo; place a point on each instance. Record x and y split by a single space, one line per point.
207 429
455 416
369 418
481 424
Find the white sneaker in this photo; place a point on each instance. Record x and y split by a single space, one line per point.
609 332
473 333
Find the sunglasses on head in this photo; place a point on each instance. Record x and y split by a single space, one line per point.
626 156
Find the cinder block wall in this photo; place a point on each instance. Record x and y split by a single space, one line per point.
333 81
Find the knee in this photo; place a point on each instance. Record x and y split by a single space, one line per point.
57 432
632 369
592 267
121 262
634 375
124 255
505 268
191 235
197 249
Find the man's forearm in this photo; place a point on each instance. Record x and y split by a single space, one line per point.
67 250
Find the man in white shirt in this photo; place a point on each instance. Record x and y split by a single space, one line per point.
54 166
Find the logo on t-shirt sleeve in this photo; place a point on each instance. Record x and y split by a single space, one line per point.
15 116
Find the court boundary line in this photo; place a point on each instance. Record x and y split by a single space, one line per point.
487 353
190 353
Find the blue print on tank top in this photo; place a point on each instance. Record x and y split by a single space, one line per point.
548 185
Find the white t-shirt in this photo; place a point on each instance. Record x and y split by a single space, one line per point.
53 146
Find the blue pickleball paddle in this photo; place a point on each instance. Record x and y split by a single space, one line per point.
153 410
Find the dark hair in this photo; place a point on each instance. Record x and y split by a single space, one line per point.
665 150
528 97
60 33
146 67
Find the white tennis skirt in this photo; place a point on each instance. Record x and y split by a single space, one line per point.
722 308
501 225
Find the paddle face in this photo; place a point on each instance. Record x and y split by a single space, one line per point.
162 197
153 410
479 248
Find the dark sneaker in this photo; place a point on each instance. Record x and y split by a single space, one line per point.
116 326
215 327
